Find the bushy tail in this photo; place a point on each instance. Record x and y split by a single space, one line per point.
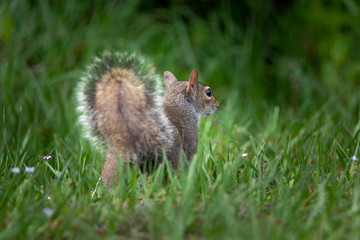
88 88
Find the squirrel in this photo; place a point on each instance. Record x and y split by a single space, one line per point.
121 109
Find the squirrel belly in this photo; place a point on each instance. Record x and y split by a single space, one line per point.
121 108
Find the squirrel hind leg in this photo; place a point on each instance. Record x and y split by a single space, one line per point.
110 171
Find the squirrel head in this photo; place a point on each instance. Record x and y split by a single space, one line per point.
190 94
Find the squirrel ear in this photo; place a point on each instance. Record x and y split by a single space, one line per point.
192 84
169 78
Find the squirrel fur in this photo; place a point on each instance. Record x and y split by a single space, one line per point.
121 109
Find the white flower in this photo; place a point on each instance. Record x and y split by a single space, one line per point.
48 212
15 170
49 197
47 157
29 169
244 155
354 158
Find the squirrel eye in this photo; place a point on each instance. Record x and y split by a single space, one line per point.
208 92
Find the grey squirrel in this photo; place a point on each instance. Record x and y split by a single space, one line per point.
121 109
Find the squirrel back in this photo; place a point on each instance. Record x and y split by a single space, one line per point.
121 108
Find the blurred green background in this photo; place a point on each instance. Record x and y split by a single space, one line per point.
299 55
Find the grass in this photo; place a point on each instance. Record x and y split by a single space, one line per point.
298 180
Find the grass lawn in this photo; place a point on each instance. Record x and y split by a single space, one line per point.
274 162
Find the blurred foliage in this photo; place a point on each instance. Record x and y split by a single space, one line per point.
282 52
